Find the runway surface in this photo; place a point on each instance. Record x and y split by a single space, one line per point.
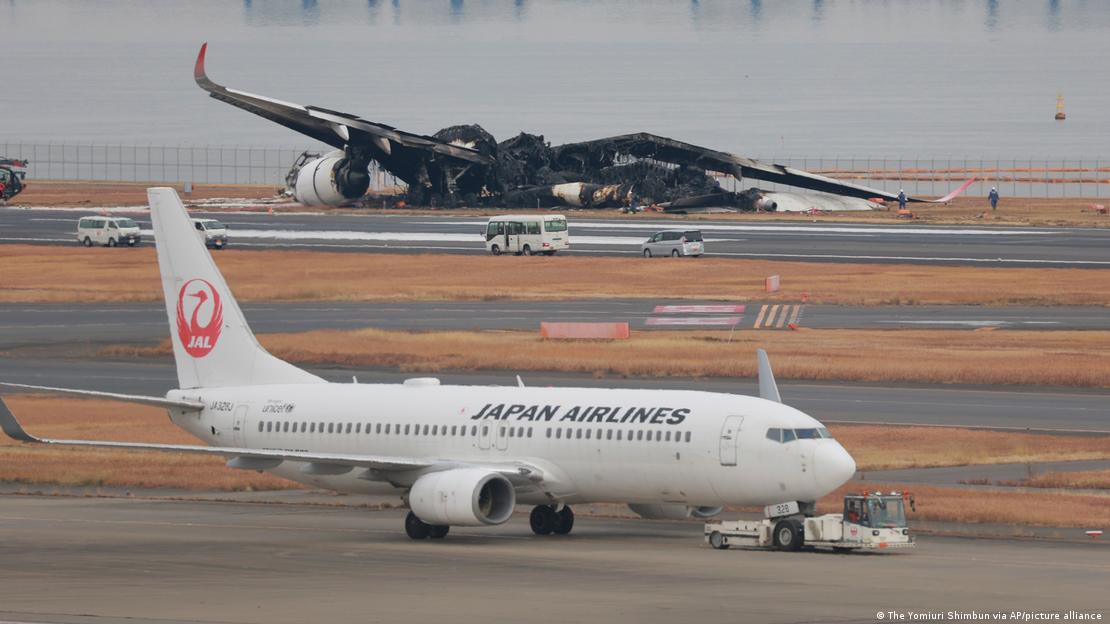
790 239
50 323
1022 408
111 560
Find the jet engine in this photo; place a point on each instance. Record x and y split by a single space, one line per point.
673 511
462 497
331 180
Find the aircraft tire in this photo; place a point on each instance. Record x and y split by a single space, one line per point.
717 541
564 521
439 531
542 520
788 535
416 528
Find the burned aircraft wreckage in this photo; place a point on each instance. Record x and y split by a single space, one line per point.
465 166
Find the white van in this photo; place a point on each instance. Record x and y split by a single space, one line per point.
110 231
212 232
526 234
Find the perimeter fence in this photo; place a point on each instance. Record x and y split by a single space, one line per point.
222 164
199 164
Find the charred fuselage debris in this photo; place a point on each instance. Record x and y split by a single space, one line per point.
465 165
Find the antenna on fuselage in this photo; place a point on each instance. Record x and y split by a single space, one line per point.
768 389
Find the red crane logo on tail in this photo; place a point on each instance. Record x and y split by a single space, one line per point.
198 339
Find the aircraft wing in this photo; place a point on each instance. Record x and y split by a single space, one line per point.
332 127
596 153
383 466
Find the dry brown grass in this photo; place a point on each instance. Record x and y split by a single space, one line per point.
109 420
1059 358
96 193
52 273
983 507
877 447
1084 480
967 210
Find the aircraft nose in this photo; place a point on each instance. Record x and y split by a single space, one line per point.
833 466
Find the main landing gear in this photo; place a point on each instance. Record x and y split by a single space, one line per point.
417 529
545 520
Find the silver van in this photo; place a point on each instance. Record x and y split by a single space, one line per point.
212 232
110 231
673 243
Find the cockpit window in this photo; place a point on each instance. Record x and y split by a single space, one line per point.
789 435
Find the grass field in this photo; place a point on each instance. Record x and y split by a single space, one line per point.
1058 358
1085 480
968 506
965 210
51 273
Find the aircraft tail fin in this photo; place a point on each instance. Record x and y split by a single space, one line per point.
212 344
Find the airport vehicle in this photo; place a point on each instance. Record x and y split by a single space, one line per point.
869 521
460 455
13 174
526 234
108 231
212 232
673 243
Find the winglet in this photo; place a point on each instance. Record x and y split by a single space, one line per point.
768 389
12 427
198 70
949 197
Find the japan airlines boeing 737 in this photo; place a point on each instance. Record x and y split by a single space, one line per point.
463 455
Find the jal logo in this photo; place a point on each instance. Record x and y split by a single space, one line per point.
200 316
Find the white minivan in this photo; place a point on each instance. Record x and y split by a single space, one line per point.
110 231
526 234
212 232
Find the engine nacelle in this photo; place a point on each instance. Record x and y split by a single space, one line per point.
671 511
330 180
462 497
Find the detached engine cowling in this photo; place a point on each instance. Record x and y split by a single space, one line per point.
331 180
462 497
673 511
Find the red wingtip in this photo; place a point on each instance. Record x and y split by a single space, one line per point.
198 71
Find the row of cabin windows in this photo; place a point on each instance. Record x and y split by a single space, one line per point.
270 426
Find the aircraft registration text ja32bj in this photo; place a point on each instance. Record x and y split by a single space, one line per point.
462 455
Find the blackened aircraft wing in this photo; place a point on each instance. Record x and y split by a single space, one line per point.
333 127
600 152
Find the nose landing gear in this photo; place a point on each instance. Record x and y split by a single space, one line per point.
544 520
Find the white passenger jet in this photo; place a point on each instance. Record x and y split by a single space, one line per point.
462 455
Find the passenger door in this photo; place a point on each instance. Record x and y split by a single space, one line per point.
730 440
239 426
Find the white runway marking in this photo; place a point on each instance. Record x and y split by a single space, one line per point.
818 229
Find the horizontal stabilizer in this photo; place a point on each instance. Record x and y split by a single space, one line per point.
127 398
